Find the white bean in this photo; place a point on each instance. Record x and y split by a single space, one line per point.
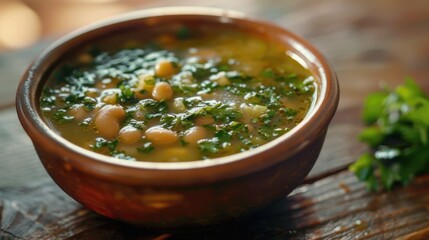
205 120
108 119
110 99
161 136
162 91
78 111
165 68
194 134
178 105
129 135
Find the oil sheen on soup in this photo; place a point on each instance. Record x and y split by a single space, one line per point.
180 93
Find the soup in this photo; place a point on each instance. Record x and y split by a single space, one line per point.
177 93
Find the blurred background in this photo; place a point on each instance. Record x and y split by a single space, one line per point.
383 39
368 42
25 22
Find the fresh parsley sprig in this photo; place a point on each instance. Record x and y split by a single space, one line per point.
398 133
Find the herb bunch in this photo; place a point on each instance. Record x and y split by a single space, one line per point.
398 134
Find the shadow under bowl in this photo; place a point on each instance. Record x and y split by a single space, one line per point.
184 194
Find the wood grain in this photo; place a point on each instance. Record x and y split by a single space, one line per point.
19 164
336 207
366 41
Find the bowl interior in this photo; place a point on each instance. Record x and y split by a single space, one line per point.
315 122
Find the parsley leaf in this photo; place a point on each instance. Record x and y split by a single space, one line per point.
103 143
107 147
127 95
209 145
62 117
146 148
397 132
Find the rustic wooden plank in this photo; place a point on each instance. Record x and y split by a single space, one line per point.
337 207
366 41
19 164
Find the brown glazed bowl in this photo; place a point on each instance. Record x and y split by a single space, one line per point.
183 194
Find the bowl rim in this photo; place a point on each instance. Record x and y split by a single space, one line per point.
314 124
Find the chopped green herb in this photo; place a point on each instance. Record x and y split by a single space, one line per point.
150 81
238 76
224 67
268 73
209 146
127 95
208 86
199 71
62 117
235 102
153 108
146 148
74 97
89 103
86 122
289 113
48 101
103 143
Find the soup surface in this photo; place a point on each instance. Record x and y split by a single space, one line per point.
177 93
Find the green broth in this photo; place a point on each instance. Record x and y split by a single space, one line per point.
179 94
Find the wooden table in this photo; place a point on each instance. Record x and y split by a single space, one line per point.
366 41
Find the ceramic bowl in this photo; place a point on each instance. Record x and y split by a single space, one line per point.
183 194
